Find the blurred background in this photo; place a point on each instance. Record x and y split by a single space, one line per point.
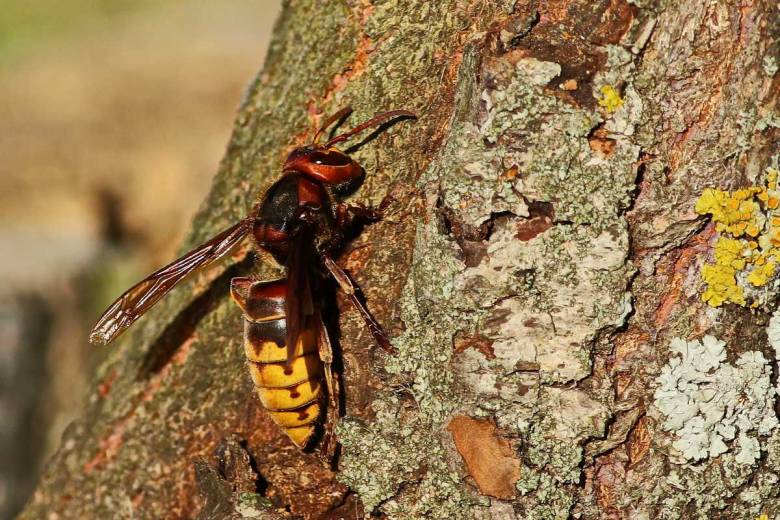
114 115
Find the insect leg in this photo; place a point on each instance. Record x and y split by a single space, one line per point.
346 214
344 281
325 349
329 444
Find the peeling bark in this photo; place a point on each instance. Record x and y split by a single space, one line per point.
540 257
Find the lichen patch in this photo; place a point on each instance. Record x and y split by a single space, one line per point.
522 243
712 406
747 251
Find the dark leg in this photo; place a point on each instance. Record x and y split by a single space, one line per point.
328 447
344 281
325 350
329 443
348 213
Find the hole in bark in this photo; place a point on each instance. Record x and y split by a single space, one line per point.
541 216
471 240
261 484
641 184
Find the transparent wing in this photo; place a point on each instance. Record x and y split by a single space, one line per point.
141 297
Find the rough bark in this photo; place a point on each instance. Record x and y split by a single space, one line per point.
541 256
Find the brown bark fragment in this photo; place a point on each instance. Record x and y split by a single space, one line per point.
569 84
610 474
478 342
638 442
490 460
601 143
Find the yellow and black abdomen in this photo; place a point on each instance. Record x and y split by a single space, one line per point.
292 393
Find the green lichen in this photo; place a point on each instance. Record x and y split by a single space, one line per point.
550 501
552 471
397 445
428 312
556 162
252 505
377 462
547 481
546 276
769 119
559 460
540 268
714 489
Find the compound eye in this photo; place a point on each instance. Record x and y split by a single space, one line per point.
330 158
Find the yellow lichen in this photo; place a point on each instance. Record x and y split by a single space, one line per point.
610 98
721 285
761 275
747 251
729 253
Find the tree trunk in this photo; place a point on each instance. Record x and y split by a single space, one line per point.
540 257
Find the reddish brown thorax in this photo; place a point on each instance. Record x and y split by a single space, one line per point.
327 165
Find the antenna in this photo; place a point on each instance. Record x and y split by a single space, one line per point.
338 116
375 121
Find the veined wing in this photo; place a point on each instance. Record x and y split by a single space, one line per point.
141 297
299 305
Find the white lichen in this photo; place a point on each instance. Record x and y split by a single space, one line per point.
773 333
770 65
709 403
